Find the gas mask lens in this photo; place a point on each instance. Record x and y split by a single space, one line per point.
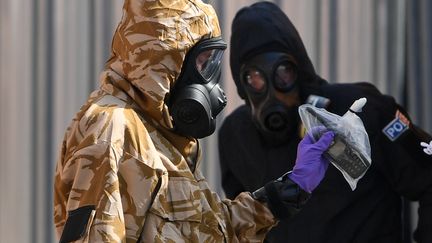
255 80
285 76
208 62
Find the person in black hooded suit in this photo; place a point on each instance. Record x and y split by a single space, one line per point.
258 140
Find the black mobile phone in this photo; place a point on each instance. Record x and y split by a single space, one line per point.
343 154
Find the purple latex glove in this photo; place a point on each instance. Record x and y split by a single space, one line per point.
311 165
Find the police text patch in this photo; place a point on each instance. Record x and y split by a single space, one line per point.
395 128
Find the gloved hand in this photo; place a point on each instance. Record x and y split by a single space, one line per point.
311 165
287 194
427 147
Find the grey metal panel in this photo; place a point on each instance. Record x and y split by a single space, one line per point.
419 60
426 63
354 41
328 41
4 43
104 22
42 166
16 83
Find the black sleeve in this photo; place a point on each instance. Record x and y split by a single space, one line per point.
415 173
231 186
407 168
411 178
283 196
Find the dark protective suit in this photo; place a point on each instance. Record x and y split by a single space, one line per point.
334 213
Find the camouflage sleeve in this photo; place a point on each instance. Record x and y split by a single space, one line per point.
250 220
96 189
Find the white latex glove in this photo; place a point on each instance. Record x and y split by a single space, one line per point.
427 147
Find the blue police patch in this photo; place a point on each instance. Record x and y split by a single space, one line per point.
395 129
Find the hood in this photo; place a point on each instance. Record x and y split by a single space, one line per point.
150 44
147 54
264 27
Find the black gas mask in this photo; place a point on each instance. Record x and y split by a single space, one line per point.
196 98
265 77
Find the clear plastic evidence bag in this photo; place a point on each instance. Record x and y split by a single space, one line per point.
350 151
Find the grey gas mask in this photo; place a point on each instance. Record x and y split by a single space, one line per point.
196 98
265 77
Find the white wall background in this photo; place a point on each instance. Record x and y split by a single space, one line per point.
51 53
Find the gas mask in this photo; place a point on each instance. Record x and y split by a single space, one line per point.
269 79
196 98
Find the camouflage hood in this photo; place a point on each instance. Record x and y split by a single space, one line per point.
149 47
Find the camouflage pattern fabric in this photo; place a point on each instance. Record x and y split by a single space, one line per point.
120 156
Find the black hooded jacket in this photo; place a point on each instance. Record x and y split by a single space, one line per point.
335 213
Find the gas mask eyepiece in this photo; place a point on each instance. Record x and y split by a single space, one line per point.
196 98
256 75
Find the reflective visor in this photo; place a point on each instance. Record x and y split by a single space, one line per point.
208 62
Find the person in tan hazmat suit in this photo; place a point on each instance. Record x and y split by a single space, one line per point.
128 169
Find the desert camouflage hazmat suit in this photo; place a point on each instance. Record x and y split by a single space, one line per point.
122 175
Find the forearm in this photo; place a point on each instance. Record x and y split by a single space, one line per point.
249 219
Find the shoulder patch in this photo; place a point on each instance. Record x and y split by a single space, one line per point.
78 224
396 127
